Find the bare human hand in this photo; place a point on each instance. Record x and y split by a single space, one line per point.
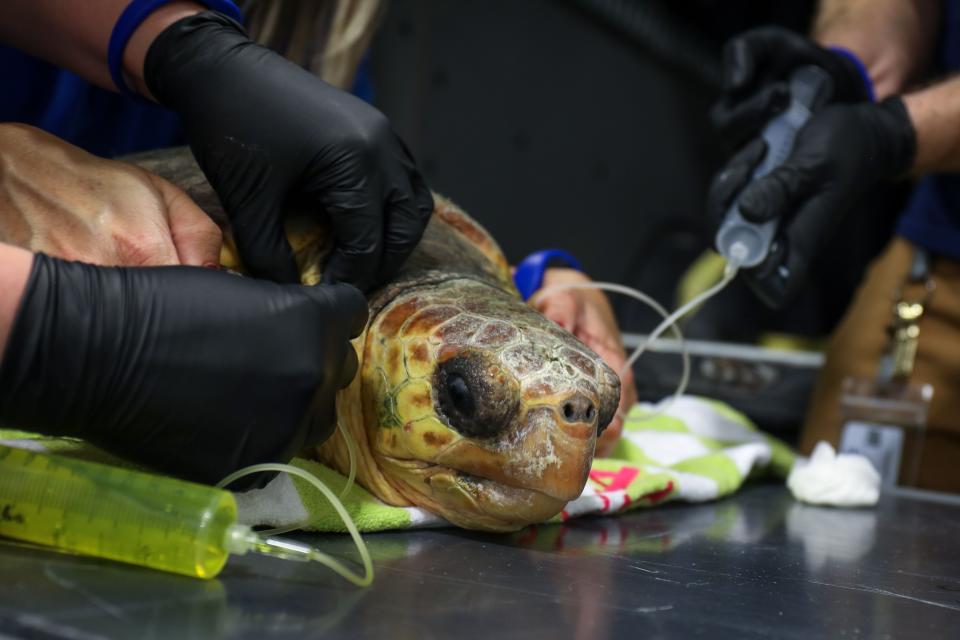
60 200
587 314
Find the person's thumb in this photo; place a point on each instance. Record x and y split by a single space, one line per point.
253 200
775 196
196 237
257 227
345 302
346 312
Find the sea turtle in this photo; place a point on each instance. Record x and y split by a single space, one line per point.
468 402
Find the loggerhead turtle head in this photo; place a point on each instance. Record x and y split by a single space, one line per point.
478 408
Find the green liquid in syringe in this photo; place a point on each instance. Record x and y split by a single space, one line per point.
115 513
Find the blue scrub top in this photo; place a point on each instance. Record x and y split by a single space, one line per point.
932 217
103 122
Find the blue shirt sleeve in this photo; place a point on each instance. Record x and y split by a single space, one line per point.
100 121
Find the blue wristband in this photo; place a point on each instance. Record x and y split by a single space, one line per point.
528 276
861 68
132 17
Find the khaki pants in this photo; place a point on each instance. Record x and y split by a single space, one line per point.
861 339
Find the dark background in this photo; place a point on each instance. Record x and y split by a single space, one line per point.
583 124
563 123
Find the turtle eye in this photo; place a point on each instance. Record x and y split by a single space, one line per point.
475 396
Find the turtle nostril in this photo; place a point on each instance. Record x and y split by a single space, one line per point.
579 409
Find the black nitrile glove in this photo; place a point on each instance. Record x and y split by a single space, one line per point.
191 371
756 73
841 153
267 133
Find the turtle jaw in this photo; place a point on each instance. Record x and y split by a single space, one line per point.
535 455
470 501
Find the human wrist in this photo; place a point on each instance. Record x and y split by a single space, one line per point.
135 52
554 275
893 39
14 275
139 25
28 376
855 71
934 150
66 339
900 137
529 273
171 67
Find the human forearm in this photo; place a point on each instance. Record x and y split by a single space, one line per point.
893 38
935 112
14 270
75 35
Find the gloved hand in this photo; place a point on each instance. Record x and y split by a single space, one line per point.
841 153
756 71
191 371
267 133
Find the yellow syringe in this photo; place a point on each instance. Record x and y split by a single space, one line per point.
129 516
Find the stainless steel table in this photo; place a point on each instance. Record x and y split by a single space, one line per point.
755 565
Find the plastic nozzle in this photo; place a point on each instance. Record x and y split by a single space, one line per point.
738 254
742 243
809 88
240 539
